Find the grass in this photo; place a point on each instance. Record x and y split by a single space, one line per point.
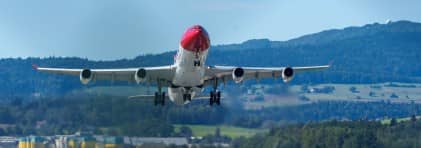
405 92
387 121
230 131
381 92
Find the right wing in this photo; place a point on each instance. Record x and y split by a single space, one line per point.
152 74
148 97
224 73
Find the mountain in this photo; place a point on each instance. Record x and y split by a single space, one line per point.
371 53
367 54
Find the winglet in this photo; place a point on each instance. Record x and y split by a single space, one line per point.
35 66
331 63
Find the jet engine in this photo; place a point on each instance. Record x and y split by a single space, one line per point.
238 75
85 76
287 74
140 75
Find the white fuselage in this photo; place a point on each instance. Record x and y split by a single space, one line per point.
189 75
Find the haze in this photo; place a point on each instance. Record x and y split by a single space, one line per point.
106 30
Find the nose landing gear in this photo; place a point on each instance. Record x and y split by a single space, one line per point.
187 97
196 63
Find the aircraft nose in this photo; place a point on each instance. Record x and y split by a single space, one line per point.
195 39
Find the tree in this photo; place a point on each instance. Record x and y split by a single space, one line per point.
303 98
259 98
413 118
112 132
393 122
372 94
217 132
304 88
353 89
393 95
2 132
98 131
185 131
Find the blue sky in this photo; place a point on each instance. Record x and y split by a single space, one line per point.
110 29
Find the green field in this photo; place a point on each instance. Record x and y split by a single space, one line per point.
381 91
231 131
387 121
402 92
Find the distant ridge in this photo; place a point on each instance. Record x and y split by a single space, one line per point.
332 35
355 32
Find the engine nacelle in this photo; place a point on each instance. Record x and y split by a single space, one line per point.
287 74
140 75
238 75
85 76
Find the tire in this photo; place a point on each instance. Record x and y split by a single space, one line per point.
218 98
189 97
163 99
156 99
211 98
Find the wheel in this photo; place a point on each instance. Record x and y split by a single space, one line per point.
156 98
218 98
196 63
163 99
211 98
189 97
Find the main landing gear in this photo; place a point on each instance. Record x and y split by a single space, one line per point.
215 95
159 95
187 97
159 98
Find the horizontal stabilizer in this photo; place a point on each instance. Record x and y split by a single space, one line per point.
144 97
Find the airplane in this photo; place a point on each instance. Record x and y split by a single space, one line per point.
188 76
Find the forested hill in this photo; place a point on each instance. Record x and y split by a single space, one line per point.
367 54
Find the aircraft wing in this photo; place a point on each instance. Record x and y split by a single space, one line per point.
148 97
225 73
152 74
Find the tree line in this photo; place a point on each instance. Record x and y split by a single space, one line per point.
338 134
122 116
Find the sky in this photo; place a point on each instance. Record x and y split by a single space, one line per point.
110 29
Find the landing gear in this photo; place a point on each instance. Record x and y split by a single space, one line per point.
218 98
187 97
196 64
163 99
215 96
159 95
159 98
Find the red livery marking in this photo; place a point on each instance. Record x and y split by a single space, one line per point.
195 39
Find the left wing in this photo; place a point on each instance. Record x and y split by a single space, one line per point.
151 74
238 74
